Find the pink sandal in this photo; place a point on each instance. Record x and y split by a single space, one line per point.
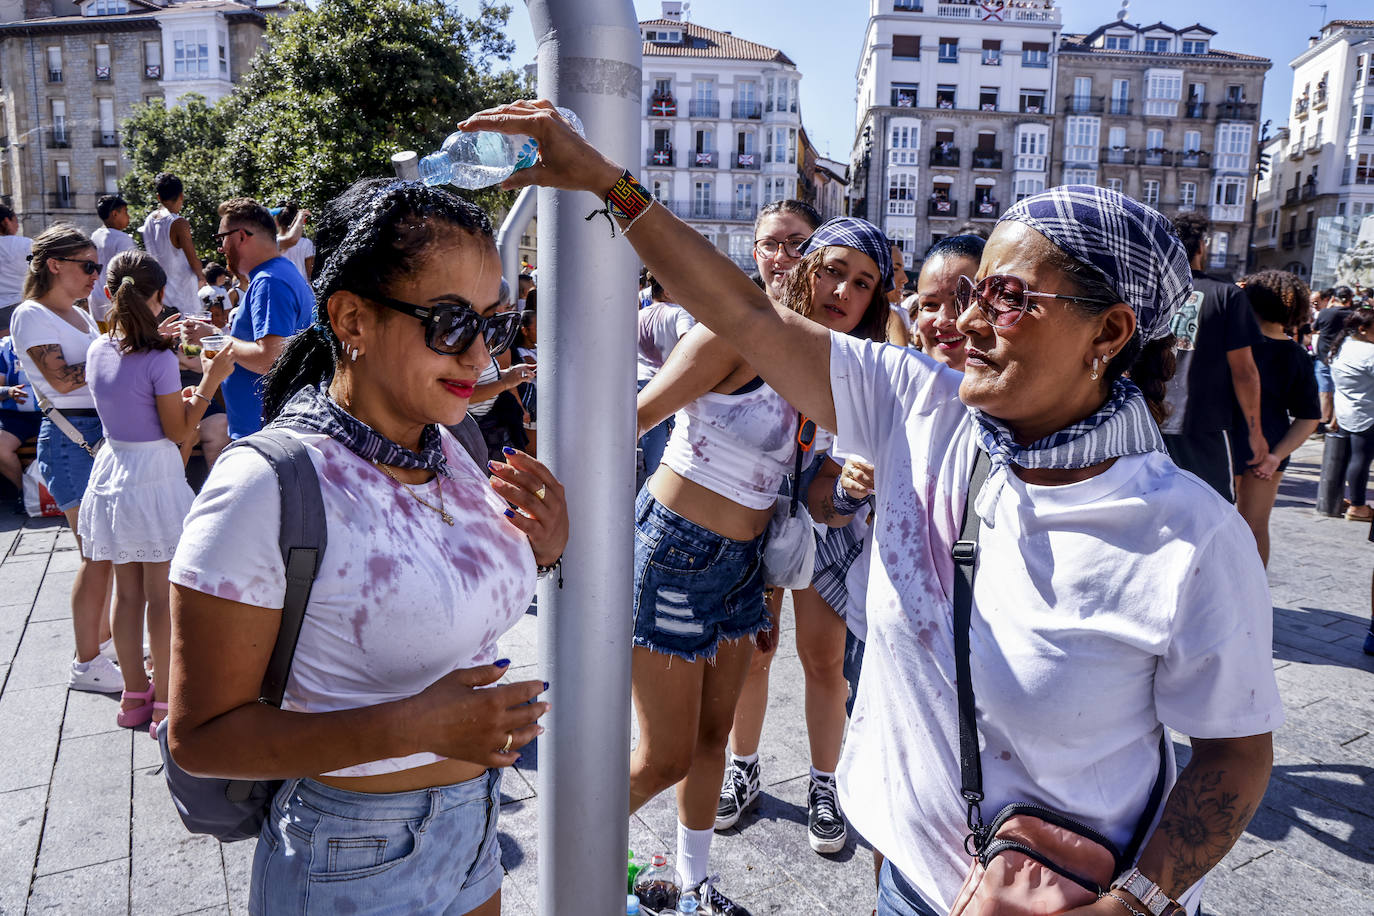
133 718
152 726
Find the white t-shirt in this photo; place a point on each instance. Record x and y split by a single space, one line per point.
1353 373
108 243
661 326
35 325
298 252
1101 610
401 598
14 266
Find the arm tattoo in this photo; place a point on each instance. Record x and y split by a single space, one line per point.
54 366
1202 821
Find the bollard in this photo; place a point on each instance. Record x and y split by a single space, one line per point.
1331 487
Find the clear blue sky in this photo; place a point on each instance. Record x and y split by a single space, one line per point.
825 42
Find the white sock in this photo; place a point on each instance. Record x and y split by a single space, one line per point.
81 666
820 776
693 854
745 761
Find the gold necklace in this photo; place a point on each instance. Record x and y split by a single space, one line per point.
439 485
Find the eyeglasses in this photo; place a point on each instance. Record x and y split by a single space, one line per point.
90 268
450 327
221 236
1003 299
790 247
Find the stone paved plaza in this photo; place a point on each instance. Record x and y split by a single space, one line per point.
86 825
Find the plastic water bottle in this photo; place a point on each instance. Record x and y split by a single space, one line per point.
631 905
482 158
687 905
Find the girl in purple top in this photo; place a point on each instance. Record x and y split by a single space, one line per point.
137 496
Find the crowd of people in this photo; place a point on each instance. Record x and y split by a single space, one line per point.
1044 466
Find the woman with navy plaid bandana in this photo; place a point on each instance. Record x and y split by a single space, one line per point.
1116 594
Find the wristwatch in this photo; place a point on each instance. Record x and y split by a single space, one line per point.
1150 895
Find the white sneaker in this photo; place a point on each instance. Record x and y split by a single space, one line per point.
107 649
99 675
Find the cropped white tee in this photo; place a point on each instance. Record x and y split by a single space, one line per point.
738 445
401 598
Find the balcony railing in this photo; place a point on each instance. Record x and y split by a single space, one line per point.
1194 159
1290 197
1309 191
1033 107
746 110
698 209
944 157
1300 107
1118 156
1314 143
60 200
1237 111
1120 107
992 58
702 159
1289 239
1305 236
660 157
1319 100
104 138
1195 110
984 209
986 12
704 108
102 73
1084 104
54 76
947 209
987 159
1157 157
664 106
1296 149
747 161
59 139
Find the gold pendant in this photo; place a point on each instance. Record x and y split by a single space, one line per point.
448 519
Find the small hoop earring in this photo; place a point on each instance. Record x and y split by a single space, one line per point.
1093 374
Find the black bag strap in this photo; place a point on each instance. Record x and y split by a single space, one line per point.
302 540
970 764
796 468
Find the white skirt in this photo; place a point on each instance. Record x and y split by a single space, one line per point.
135 503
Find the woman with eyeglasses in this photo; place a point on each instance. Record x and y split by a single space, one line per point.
392 736
1115 595
51 335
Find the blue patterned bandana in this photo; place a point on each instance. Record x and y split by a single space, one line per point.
1133 247
859 234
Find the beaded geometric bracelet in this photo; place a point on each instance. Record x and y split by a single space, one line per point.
628 198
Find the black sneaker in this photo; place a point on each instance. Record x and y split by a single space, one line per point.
739 790
714 903
824 823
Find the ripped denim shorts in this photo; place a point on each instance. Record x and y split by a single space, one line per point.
693 587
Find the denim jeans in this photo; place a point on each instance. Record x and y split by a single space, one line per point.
66 466
898 898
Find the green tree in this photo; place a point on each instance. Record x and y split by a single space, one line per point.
190 141
342 86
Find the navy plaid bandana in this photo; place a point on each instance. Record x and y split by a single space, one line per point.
313 409
1133 247
859 234
1121 426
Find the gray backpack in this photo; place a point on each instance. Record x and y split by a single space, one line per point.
234 809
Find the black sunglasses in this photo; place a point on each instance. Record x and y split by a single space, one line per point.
1003 298
221 236
451 327
90 268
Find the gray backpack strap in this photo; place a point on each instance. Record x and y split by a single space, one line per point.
302 541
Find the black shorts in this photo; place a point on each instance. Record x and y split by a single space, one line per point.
1208 455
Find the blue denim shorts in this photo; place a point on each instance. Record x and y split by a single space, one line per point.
66 466
1325 383
328 850
693 587
896 897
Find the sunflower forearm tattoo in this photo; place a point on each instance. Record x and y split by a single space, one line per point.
1201 822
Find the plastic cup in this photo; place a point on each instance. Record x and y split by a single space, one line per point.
213 344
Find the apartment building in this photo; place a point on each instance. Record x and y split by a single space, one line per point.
1321 183
1162 115
721 128
824 182
71 72
955 107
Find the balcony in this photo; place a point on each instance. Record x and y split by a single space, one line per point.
1033 106
703 108
58 138
660 157
748 161
944 157
1305 236
104 138
974 12
746 111
984 209
152 72
944 209
1084 104
1237 111
1289 239
663 106
1319 99
1296 149
1290 197
1118 156
987 159
1157 157
1120 107
1228 213
102 73
1195 110
54 76
1314 143
712 210
992 58
702 159
1194 159
1300 107
1309 191
61 200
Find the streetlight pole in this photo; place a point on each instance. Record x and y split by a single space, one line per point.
589 60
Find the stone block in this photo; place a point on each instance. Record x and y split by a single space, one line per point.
21 819
54 598
35 543
90 714
101 888
172 871
44 658
30 720
88 805
22 576
1280 883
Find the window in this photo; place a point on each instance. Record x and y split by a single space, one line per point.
1221 242
905 240
1359 68
744 142
701 199
223 54
741 246
774 138
987 98
190 54
949 50
1229 192
106 7
1121 97
1033 101
906 47
1116 138
1080 138
1367 125
59 123
992 52
1233 147
1164 89
663 87
102 62
901 194
905 95
792 144
744 197
109 172
659 187
152 60
1082 89
706 89
944 96
107 122
64 184
1080 175
1035 54
54 64
1157 45
906 138
913 6
1192 141
1154 139
1364 169
1151 193
1026 187
1117 43
1187 195
1115 184
706 140
1194 46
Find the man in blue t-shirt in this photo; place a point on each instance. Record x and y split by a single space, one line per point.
277 304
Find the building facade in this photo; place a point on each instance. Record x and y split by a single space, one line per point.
1322 169
721 128
1161 115
70 73
955 103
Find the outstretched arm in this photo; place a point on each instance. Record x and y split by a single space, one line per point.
791 353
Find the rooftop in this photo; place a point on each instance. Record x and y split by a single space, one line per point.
1084 44
699 41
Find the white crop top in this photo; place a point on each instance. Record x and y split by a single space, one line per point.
738 445
401 599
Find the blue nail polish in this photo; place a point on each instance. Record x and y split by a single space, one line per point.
502 663
508 450
546 685
491 465
510 513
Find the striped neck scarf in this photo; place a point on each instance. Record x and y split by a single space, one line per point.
1122 426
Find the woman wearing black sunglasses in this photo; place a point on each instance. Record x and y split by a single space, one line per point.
391 751
1115 594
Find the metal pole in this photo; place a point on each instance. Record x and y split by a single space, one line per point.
508 236
589 61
